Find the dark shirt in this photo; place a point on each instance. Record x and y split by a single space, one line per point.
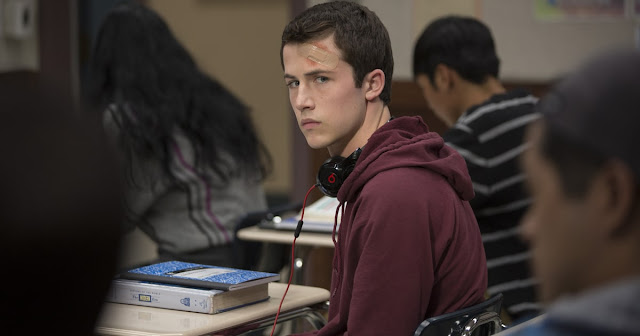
490 138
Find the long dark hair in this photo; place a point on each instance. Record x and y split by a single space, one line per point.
139 67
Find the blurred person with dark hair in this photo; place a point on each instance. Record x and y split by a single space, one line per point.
456 65
194 163
60 209
583 170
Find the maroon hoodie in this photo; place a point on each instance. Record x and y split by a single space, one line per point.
408 245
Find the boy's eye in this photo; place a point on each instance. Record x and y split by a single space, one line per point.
293 83
321 79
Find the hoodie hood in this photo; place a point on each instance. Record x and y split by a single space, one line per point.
407 142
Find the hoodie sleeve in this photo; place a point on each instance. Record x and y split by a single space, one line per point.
394 276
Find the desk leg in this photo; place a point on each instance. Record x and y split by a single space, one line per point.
300 259
318 268
312 266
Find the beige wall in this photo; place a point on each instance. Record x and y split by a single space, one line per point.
405 20
530 49
238 42
541 51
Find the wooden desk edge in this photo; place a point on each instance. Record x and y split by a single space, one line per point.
255 233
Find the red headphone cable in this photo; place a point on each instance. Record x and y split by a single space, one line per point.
293 247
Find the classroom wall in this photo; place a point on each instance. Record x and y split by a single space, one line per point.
540 50
405 20
238 42
531 49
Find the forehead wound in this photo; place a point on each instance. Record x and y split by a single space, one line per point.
318 55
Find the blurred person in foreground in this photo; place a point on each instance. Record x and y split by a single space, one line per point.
193 161
60 211
584 226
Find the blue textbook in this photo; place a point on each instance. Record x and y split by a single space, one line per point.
199 275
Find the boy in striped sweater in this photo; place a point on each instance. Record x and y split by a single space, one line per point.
456 66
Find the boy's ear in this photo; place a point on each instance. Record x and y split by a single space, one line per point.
443 77
616 192
373 83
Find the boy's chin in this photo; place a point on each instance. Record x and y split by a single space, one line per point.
315 144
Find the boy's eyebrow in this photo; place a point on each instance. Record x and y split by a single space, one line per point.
309 74
317 72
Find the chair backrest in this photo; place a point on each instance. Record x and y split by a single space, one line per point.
482 319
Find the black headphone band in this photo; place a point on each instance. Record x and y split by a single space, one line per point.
334 171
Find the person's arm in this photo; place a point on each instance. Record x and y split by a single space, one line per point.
394 278
139 200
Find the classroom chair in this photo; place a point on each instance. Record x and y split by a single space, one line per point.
482 319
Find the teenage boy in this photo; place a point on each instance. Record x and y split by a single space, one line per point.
583 170
456 65
408 246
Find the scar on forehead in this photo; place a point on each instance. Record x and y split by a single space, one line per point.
318 55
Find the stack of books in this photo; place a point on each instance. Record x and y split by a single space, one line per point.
191 287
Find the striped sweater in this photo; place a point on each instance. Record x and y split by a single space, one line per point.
195 212
490 138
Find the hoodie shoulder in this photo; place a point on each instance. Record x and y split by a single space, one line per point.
406 142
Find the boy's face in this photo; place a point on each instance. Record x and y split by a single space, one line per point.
434 98
559 228
329 108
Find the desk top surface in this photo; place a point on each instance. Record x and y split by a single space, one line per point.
131 320
255 233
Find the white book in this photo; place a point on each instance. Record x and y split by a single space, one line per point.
318 216
169 296
321 211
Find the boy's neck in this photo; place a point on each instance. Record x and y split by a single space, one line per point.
475 94
377 115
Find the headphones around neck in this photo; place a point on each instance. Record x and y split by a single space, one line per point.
335 171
